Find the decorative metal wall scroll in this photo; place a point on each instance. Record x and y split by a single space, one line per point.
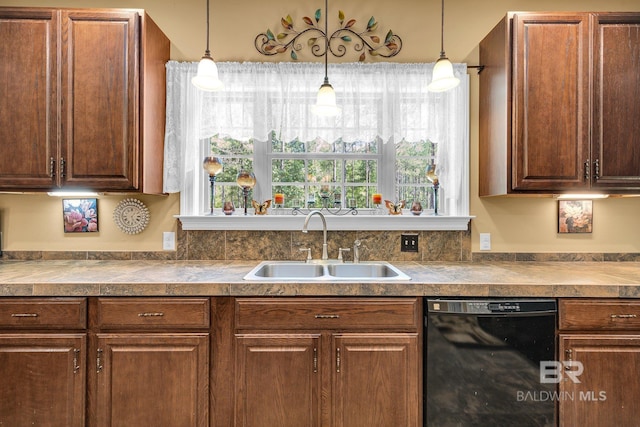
321 43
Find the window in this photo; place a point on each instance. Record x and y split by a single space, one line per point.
347 173
390 129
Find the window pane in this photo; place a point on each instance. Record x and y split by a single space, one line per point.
416 149
324 171
294 146
361 147
320 146
287 170
229 192
231 167
361 171
361 195
293 194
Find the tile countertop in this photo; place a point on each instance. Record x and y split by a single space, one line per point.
220 278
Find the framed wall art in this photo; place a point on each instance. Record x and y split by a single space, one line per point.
575 216
80 215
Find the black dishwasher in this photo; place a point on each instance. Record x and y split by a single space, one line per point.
482 362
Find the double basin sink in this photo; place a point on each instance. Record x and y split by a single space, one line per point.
325 271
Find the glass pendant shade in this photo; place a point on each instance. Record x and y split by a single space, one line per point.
207 77
443 78
325 105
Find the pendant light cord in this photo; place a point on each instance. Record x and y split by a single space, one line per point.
442 54
326 41
207 52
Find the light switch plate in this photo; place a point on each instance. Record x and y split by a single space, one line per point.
409 243
485 241
168 241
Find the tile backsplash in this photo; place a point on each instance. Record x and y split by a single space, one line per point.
239 245
287 245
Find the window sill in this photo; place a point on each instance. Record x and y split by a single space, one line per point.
348 222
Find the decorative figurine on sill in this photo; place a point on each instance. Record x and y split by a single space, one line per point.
261 209
394 208
416 208
228 208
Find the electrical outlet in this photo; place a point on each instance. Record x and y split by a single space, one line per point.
168 241
409 243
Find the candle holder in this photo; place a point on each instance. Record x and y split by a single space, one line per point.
278 203
246 180
330 202
213 166
433 178
376 199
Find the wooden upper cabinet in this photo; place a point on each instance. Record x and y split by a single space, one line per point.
550 101
557 115
100 91
28 97
616 101
101 115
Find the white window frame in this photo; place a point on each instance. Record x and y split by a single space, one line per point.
364 220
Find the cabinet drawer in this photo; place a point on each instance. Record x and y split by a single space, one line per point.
43 313
142 313
599 314
327 313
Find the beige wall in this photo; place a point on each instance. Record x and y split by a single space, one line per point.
33 222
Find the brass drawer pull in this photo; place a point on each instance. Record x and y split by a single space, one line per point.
24 314
159 314
624 316
327 316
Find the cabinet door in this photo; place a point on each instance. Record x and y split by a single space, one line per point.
43 379
377 379
607 394
100 99
28 93
278 380
550 140
616 94
152 380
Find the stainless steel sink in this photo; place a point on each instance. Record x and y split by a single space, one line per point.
376 270
325 271
287 270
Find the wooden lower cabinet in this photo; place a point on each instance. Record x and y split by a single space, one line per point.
199 362
151 362
43 353
376 379
152 379
312 362
607 394
599 342
42 379
278 380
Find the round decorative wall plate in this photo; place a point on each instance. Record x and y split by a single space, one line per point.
131 216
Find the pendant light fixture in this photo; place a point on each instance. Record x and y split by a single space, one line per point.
207 77
326 99
443 78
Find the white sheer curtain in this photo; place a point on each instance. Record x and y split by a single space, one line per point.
388 100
